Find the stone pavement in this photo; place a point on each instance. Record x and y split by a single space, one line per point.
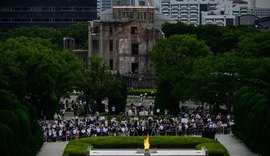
234 145
52 149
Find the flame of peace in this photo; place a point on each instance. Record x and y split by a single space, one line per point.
146 143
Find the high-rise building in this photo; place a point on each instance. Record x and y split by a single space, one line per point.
196 12
103 5
260 12
252 3
49 13
98 7
187 11
106 4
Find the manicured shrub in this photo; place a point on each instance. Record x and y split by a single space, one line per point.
138 92
17 129
7 141
37 133
252 120
214 149
80 146
24 125
75 148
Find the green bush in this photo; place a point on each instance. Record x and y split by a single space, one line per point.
24 125
251 120
138 92
215 149
76 148
9 118
81 146
7 140
18 129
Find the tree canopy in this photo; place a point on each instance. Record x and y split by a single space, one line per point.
78 31
173 59
99 84
185 64
236 75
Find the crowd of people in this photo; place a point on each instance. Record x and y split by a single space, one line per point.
95 125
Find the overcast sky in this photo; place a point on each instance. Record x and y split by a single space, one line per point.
263 3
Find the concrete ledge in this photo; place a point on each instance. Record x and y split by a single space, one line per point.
140 150
133 152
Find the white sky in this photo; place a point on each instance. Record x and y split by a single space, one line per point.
263 3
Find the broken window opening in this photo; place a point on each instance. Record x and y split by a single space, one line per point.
135 48
111 45
135 68
134 30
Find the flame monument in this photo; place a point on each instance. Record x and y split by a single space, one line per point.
146 146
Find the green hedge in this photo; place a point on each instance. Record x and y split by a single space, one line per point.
77 148
215 149
19 134
138 92
80 146
252 121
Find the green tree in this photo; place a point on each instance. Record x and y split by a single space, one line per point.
173 60
99 84
54 35
79 32
116 93
38 72
220 39
254 45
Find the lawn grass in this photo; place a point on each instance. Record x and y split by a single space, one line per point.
81 146
138 92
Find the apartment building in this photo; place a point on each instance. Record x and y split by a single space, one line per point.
48 13
103 5
187 11
259 12
196 12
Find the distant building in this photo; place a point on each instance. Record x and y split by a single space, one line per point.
263 23
220 20
106 4
53 13
259 12
186 11
196 12
124 36
247 20
98 7
103 5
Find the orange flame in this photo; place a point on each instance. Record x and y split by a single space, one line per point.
146 143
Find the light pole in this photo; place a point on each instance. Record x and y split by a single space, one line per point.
129 75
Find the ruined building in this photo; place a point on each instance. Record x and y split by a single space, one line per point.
124 36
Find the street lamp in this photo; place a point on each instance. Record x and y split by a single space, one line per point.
129 75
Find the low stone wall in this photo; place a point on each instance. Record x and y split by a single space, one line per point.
153 152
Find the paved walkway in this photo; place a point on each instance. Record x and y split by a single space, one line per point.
52 149
234 145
